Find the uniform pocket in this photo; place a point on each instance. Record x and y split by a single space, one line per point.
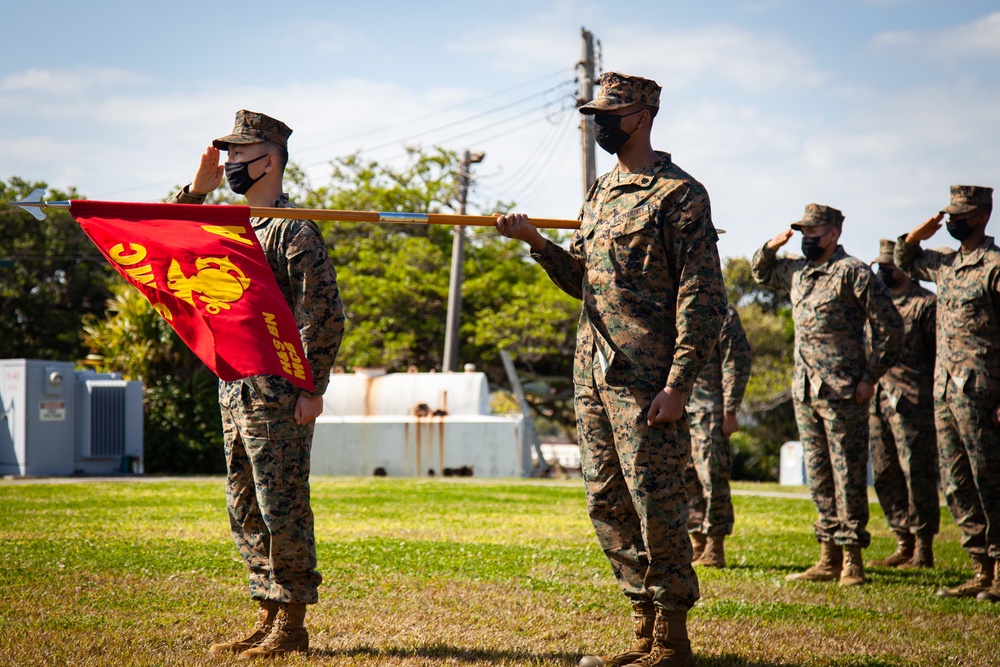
975 309
634 238
267 406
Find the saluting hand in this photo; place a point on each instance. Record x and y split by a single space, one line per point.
667 406
780 240
863 392
516 226
209 174
925 230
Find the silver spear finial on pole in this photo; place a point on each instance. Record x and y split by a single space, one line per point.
34 203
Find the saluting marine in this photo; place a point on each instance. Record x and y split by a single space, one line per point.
268 422
833 296
966 375
902 437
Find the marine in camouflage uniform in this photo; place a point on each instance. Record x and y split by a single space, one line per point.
646 266
833 296
966 375
267 421
717 395
903 440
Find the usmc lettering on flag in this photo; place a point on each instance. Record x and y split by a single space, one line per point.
203 270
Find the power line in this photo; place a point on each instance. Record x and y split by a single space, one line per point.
440 111
541 175
488 112
532 161
546 91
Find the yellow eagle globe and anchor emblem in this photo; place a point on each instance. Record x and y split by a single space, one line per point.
218 283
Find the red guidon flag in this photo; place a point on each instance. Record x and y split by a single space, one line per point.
205 273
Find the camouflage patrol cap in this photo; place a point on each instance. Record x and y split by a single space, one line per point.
621 90
967 198
253 128
817 215
885 250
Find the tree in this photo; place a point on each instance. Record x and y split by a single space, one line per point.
394 281
182 427
743 290
51 276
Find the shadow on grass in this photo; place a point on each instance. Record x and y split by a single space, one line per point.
473 655
726 660
453 653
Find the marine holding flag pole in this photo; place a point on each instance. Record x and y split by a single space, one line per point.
34 204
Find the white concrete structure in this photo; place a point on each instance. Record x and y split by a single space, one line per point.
372 393
792 470
565 454
407 446
409 424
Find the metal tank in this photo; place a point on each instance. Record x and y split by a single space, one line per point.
415 425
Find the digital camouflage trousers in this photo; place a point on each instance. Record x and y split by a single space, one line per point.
708 494
267 495
834 435
969 452
636 497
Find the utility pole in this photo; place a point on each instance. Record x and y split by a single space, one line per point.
457 259
586 76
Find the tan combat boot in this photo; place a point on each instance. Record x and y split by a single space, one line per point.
828 568
644 616
905 543
265 618
982 579
992 594
923 553
714 554
697 545
287 635
853 571
671 647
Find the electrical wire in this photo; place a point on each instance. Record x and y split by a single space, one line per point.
515 180
437 112
557 88
394 142
542 175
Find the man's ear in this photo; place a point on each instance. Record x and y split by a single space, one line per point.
984 216
648 117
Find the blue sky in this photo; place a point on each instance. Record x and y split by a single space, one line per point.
872 106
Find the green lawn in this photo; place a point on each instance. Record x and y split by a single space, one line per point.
445 572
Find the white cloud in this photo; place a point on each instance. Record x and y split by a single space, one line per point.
717 54
978 39
729 55
63 82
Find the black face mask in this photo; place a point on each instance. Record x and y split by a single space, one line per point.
888 276
609 133
811 247
238 175
958 228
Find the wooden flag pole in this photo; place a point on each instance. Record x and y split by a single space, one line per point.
411 218
34 204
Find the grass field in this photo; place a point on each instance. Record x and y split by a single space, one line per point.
442 572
